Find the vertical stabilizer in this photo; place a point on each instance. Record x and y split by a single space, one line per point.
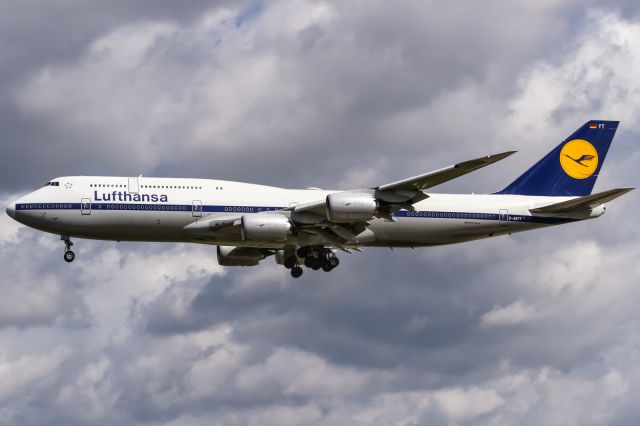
572 168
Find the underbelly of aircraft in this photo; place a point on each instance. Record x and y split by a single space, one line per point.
169 227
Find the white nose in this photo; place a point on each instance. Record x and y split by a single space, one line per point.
11 210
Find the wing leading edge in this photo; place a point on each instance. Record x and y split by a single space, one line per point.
431 179
405 192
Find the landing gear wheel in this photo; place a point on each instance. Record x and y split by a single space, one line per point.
296 271
303 251
333 261
326 267
290 262
313 262
69 256
316 264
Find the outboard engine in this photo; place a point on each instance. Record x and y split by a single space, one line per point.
351 206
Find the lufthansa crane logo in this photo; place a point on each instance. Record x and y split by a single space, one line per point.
579 159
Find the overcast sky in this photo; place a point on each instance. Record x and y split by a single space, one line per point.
535 328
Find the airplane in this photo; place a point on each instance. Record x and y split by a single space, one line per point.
307 227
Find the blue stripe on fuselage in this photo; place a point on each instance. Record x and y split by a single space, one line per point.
475 216
480 216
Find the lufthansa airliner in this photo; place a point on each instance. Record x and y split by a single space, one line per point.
307 227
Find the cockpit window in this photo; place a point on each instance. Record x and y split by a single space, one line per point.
52 184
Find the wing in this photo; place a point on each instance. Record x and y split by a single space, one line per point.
342 218
408 191
431 179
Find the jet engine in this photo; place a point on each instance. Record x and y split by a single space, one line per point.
351 206
240 256
265 227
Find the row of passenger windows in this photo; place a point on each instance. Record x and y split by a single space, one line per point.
103 185
110 185
452 215
170 187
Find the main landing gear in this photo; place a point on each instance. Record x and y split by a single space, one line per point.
69 256
314 258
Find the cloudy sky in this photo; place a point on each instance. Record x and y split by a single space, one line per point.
536 328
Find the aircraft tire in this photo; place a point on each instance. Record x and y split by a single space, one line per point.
290 262
296 272
303 252
308 262
333 261
69 256
314 263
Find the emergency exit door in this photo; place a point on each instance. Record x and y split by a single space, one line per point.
133 186
503 217
196 208
85 206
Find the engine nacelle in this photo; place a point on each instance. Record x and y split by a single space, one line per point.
265 227
351 206
240 256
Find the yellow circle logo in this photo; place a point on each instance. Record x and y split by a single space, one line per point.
579 159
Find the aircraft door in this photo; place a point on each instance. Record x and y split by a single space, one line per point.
503 217
133 186
196 208
85 206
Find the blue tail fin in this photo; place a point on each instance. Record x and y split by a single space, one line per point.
572 168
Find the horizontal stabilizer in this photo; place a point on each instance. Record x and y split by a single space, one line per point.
585 203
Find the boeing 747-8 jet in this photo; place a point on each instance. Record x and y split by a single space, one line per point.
308 226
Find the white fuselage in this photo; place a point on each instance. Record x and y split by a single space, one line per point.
166 209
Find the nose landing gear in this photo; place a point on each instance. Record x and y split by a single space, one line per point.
69 255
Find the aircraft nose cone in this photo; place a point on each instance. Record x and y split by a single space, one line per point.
11 210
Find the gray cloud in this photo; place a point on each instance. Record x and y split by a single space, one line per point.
261 95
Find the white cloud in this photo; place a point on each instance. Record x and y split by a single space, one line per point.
595 78
515 313
32 294
295 373
90 396
18 375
